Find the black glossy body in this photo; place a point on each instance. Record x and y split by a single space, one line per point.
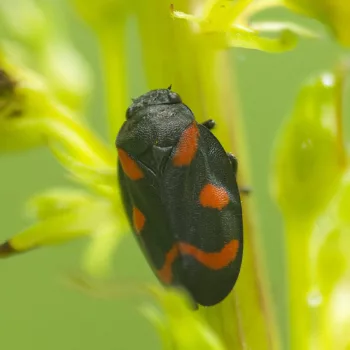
168 195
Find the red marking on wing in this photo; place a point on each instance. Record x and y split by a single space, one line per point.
187 146
138 219
214 260
166 273
130 167
213 197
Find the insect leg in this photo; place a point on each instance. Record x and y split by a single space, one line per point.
233 160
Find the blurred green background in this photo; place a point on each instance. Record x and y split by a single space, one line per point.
38 310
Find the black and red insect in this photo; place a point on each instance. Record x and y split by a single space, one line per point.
180 194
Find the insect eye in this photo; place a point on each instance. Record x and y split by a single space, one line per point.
174 98
129 112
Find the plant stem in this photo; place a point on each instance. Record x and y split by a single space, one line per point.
112 43
299 282
201 72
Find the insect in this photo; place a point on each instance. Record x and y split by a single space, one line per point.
179 191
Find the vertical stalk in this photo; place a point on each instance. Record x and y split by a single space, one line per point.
200 71
112 43
341 78
299 283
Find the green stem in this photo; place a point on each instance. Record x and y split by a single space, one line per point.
112 43
250 296
202 73
301 318
341 78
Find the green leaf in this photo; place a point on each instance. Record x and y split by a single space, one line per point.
80 217
334 13
101 179
25 21
280 27
97 259
252 39
308 181
309 157
229 25
56 202
180 326
43 39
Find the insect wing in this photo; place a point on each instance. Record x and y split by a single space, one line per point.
202 203
147 217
